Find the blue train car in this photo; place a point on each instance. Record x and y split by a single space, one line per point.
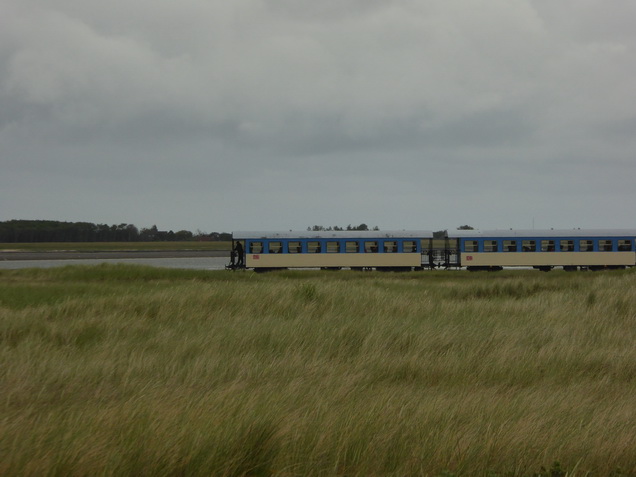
382 250
546 249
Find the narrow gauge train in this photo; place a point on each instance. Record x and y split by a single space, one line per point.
415 250
546 249
334 250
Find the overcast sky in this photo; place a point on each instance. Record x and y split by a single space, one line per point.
219 115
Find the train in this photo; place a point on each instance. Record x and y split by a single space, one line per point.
473 250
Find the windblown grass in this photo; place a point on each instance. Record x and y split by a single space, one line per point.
122 370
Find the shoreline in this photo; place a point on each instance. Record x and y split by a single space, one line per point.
118 254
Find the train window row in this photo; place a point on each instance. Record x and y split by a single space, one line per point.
333 246
549 245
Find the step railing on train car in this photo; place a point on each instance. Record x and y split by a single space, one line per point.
441 258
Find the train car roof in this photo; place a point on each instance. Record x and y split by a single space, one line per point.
543 233
333 234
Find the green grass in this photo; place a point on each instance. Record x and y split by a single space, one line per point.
113 246
124 370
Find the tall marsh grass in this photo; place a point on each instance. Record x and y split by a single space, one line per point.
122 370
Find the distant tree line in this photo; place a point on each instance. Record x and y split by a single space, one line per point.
317 228
440 234
26 231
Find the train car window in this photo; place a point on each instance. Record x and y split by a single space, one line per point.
605 245
409 246
313 247
425 244
370 247
490 246
567 245
275 247
256 247
333 247
390 246
547 245
624 245
294 247
529 245
352 247
510 246
471 246
586 245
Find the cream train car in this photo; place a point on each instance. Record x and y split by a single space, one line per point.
382 250
546 249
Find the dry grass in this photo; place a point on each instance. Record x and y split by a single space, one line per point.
119 370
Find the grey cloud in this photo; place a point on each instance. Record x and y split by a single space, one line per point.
365 103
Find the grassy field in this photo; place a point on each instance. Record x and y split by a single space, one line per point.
113 246
123 370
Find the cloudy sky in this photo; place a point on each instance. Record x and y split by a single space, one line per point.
219 115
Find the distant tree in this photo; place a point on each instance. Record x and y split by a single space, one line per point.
149 235
202 236
440 234
132 233
125 233
183 235
465 227
318 228
362 226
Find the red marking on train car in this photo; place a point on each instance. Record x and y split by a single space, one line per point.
256 257
469 258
